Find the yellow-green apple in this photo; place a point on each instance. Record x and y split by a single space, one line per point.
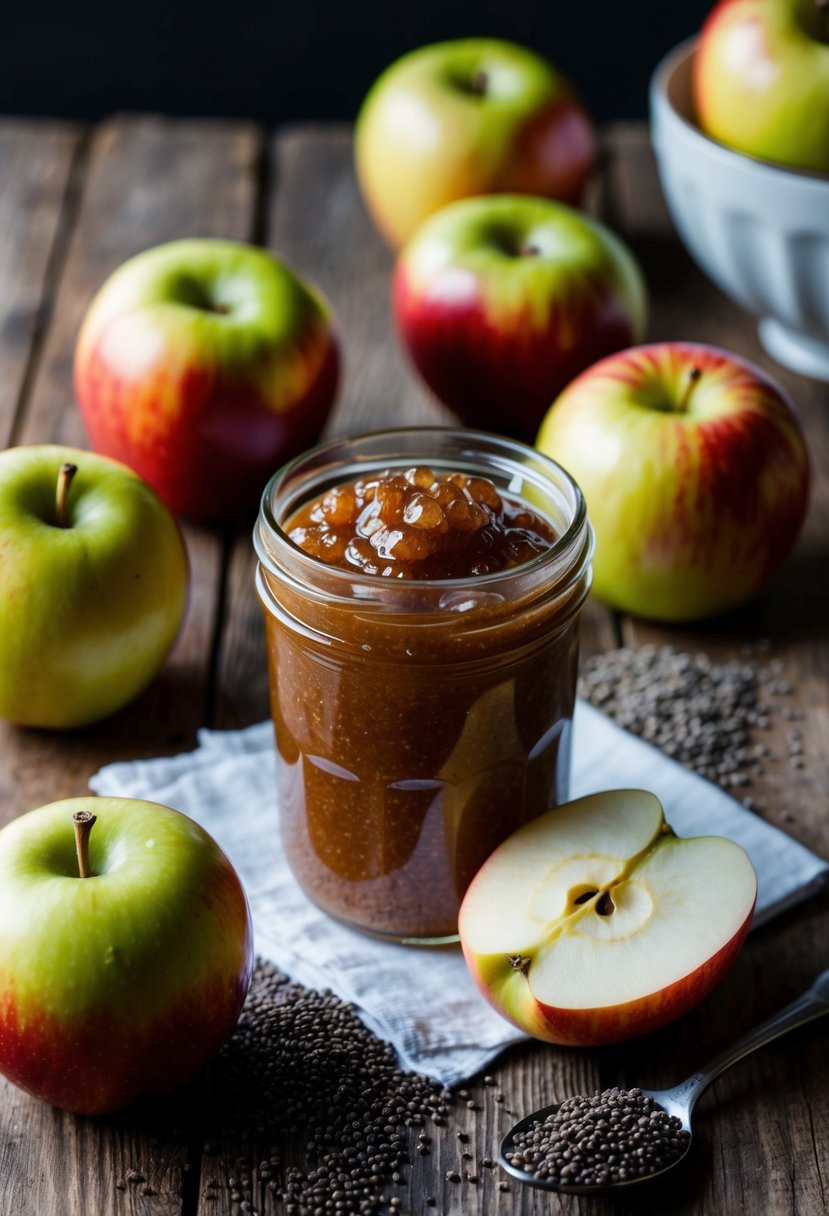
473 116
501 301
125 954
695 473
595 923
204 364
93 585
761 79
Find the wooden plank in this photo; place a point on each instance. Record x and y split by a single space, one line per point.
36 161
147 180
763 1145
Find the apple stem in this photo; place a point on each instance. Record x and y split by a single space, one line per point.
693 379
83 821
66 473
822 7
480 83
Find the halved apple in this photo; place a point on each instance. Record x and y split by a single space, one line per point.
595 923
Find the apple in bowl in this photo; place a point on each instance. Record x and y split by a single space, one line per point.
467 117
761 80
204 365
93 585
594 923
125 951
695 472
501 301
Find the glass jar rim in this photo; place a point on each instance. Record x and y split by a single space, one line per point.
571 538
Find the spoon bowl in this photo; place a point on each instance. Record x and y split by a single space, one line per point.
678 1101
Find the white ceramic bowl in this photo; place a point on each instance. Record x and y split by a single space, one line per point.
759 230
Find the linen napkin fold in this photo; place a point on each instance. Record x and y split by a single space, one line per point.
421 1000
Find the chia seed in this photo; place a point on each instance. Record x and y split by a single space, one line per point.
702 713
614 1136
301 1069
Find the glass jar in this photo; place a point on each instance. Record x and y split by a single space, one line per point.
418 723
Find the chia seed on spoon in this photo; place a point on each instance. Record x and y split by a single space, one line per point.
614 1136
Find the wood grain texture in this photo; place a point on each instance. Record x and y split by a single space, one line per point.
762 1146
145 181
36 163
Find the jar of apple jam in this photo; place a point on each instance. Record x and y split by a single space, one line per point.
421 591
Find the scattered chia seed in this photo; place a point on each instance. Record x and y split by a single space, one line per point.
302 1069
613 1136
702 713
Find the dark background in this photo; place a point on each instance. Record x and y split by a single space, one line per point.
278 60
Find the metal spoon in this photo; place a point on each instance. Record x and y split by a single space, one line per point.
681 1100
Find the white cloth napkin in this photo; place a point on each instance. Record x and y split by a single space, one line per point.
423 1000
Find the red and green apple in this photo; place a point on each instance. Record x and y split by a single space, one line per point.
695 473
204 365
761 79
472 116
125 951
93 585
595 923
501 301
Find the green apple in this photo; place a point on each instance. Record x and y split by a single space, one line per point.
473 116
125 951
93 585
204 365
695 472
761 79
500 301
595 923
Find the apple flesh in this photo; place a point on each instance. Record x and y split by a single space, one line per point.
126 982
594 923
91 602
695 472
204 365
761 80
501 301
468 117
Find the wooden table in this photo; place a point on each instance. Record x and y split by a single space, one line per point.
76 202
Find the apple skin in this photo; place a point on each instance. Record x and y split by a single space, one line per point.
468 117
125 983
204 365
761 80
501 301
88 612
695 508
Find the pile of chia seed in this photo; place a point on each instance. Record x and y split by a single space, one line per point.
704 714
616 1136
303 1075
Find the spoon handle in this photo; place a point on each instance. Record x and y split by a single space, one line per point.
813 1003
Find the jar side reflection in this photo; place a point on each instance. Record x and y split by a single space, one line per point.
391 842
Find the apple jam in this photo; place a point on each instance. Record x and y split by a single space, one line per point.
421 592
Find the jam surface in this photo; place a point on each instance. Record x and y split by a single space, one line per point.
420 525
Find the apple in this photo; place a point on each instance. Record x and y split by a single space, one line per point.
595 923
473 116
93 585
501 301
695 473
124 964
204 365
761 79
